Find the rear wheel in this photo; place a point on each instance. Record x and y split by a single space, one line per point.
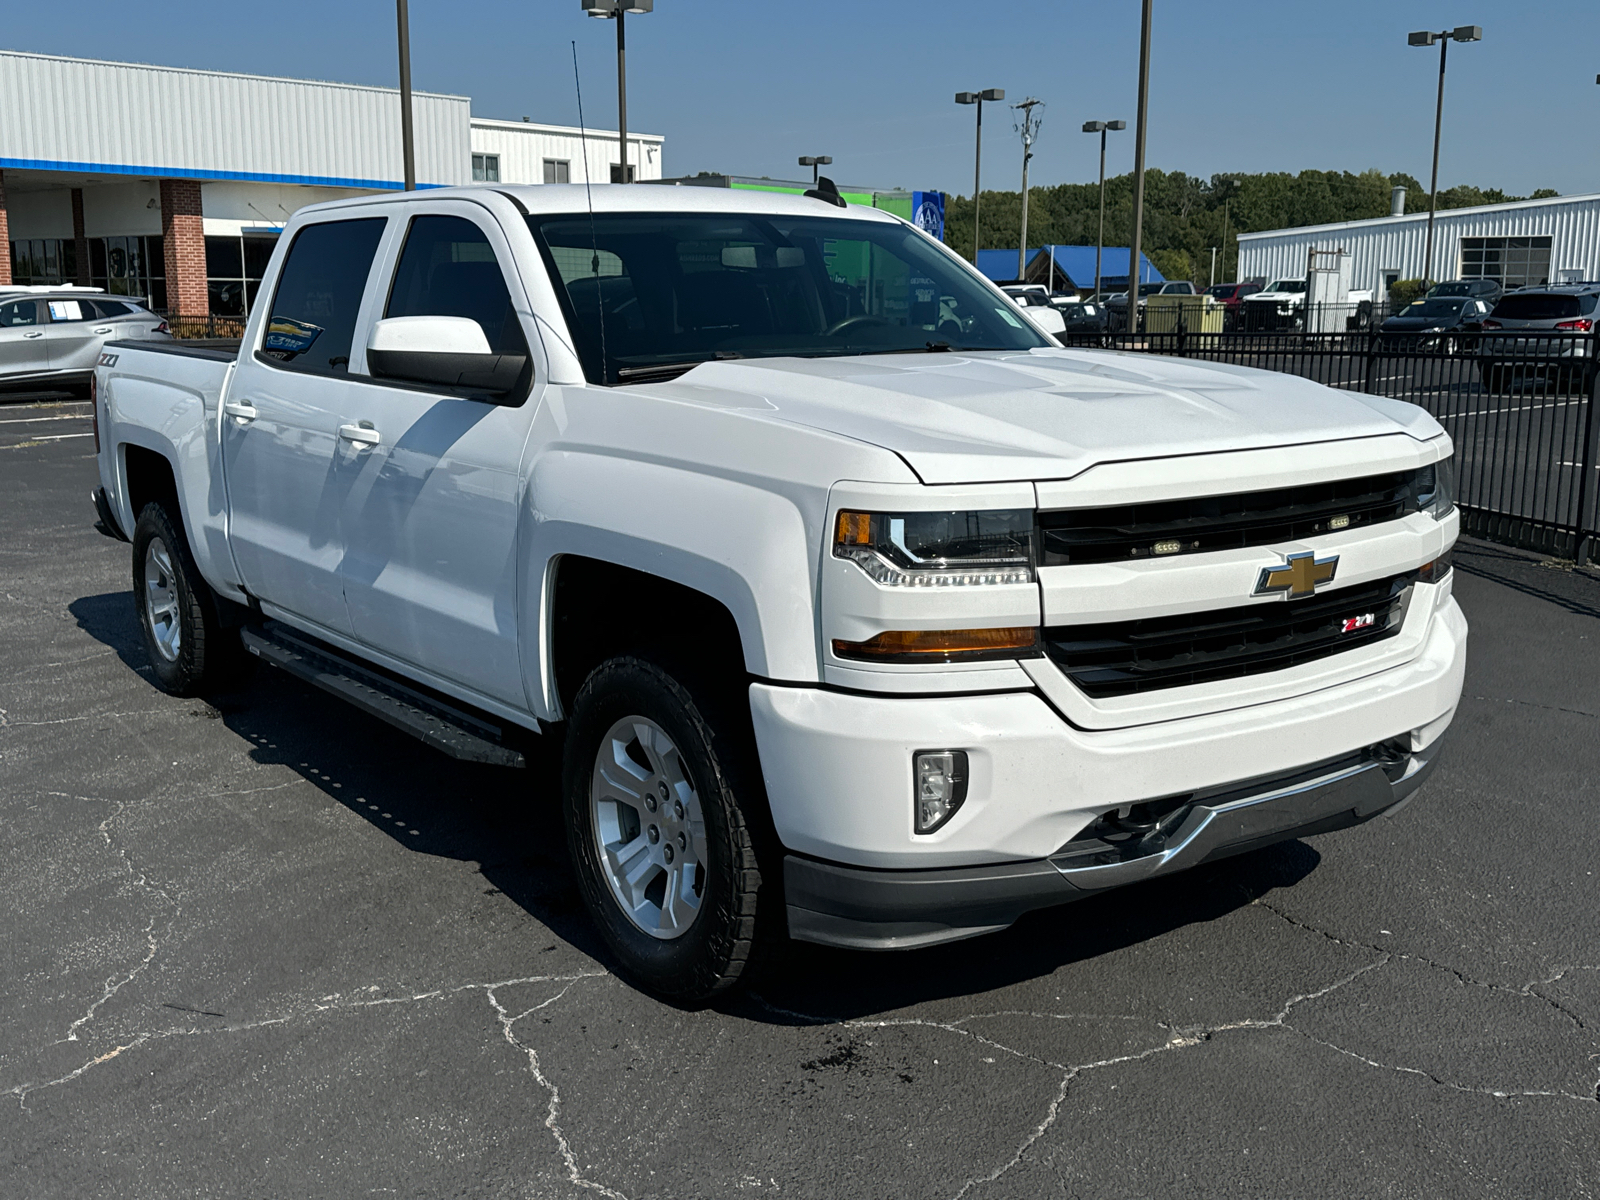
660 785
190 648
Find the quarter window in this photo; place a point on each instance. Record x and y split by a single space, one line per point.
557 170
485 168
319 292
1513 262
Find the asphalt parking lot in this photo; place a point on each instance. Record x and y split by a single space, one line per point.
263 945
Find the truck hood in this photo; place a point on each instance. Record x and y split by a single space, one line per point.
1042 414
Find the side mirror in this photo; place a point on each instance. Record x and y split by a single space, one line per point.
445 351
1049 319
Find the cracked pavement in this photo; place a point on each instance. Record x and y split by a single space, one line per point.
264 945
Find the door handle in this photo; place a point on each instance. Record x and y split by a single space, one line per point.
104 329
33 333
240 410
361 435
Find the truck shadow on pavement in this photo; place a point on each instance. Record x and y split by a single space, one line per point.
508 823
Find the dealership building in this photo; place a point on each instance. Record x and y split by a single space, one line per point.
1524 243
173 185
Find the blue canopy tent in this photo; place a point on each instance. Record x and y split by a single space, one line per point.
1074 268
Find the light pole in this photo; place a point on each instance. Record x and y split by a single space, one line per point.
617 10
1101 127
1461 33
407 146
1138 167
1029 129
814 161
977 170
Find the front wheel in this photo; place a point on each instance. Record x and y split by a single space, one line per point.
660 786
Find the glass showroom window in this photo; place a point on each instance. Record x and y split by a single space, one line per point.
485 168
557 170
130 266
37 261
234 267
1515 262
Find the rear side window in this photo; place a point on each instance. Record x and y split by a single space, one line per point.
314 310
108 308
1534 307
448 269
18 312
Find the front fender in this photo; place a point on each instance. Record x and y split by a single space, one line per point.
743 546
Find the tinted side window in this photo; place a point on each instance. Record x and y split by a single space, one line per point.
448 269
319 292
18 312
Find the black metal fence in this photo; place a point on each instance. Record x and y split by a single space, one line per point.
207 326
1520 410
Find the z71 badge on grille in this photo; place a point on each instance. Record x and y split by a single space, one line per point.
1300 575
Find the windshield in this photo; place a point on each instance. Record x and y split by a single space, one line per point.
650 294
1451 289
1434 308
1288 285
1150 289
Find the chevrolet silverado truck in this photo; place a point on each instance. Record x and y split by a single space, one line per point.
866 614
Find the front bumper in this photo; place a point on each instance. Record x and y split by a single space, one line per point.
865 909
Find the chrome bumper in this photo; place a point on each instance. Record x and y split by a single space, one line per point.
866 909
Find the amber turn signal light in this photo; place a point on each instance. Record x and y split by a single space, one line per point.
942 645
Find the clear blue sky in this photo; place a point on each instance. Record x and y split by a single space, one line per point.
1237 85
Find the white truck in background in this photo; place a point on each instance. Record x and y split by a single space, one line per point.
868 615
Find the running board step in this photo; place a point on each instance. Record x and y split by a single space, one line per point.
441 725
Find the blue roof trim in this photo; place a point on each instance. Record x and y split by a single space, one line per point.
44 164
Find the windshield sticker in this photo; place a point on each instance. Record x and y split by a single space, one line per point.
1008 318
290 336
65 310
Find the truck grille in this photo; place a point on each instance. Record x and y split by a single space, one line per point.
1123 657
1133 531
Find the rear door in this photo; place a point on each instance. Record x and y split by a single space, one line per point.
22 346
430 570
287 467
74 333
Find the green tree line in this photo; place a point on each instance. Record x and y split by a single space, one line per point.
1185 216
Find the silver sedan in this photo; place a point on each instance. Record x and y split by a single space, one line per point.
51 337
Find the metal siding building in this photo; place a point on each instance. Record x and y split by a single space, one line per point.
1393 247
170 185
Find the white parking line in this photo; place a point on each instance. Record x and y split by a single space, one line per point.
54 437
35 420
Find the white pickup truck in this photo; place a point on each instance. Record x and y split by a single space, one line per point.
868 614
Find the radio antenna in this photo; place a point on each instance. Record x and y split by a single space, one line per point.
594 240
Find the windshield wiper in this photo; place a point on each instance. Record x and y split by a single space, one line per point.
670 370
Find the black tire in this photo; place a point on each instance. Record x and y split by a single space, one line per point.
717 755
205 654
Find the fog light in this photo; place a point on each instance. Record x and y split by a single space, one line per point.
941 786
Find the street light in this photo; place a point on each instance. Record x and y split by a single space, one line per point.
1461 33
1138 166
609 10
1029 129
814 161
1101 127
407 146
978 98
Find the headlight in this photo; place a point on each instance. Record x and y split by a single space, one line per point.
1435 489
939 549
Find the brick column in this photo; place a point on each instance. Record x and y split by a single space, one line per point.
183 244
5 235
80 244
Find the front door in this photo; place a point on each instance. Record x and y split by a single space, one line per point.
22 346
430 568
287 452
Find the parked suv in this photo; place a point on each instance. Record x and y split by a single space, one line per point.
1557 323
54 337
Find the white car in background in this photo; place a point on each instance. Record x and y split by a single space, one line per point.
53 336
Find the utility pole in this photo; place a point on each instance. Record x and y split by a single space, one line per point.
407 146
1461 33
1028 127
1138 166
1211 279
977 167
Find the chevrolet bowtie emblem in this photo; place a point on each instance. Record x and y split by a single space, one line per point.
1300 575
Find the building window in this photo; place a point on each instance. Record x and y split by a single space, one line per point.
485 168
616 172
36 261
557 170
130 266
1514 262
234 267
